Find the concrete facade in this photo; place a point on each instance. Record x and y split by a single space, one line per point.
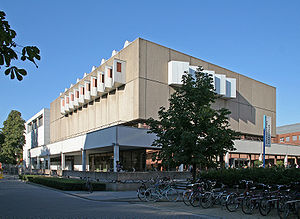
146 89
110 120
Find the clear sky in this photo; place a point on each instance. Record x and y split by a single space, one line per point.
259 39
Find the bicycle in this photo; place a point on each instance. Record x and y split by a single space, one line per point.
214 197
234 199
88 185
161 190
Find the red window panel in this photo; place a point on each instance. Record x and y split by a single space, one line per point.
110 73
119 66
72 97
77 94
102 78
67 100
63 102
94 82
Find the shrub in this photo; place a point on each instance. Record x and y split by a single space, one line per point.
232 177
62 183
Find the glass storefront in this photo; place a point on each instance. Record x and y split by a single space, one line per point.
130 160
101 162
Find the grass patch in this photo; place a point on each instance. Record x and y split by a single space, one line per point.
62 183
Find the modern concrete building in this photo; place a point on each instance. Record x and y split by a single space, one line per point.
37 135
100 119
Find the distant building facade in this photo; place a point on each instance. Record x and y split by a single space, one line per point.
288 134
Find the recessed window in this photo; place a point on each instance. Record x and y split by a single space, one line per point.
287 139
81 90
94 82
102 78
40 121
88 86
63 103
294 137
67 100
72 97
119 67
110 73
281 139
77 94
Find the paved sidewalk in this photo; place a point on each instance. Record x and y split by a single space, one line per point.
106 195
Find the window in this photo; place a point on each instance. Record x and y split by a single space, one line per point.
88 86
102 77
40 121
72 97
287 139
119 67
63 103
94 82
77 94
281 139
67 100
110 73
294 137
81 90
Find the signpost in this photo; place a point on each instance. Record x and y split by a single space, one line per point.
267 136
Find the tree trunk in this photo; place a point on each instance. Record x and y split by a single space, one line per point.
194 172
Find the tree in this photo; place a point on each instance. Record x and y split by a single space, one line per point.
9 53
190 131
14 139
1 142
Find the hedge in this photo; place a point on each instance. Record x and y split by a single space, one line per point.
62 183
268 176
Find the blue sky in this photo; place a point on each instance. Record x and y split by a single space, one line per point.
259 39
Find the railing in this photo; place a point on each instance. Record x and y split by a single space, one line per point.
125 176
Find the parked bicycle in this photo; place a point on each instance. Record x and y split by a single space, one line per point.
88 185
160 190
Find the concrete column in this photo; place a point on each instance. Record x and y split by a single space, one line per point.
226 160
286 160
83 160
48 162
180 168
63 161
116 155
249 162
38 165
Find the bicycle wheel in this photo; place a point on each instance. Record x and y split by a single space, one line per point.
265 206
172 195
151 195
248 205
195 199
284 212
232 202
89 187
141 193
206 200
186 197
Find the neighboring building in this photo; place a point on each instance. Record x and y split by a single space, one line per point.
37 134
100 120
288 134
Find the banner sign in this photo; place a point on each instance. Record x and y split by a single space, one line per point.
267 131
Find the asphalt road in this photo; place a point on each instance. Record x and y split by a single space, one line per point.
21 200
